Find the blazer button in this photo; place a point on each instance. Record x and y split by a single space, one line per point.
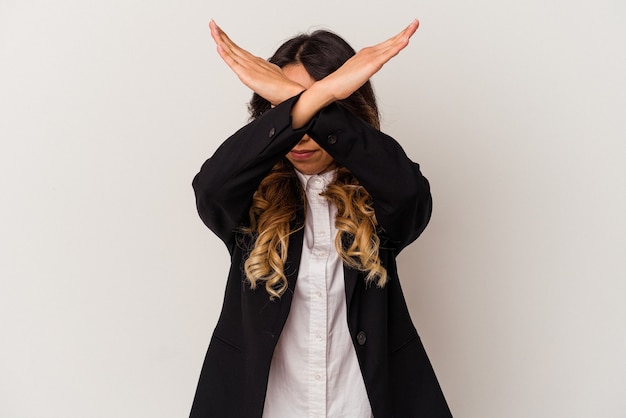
332 139
361 337
272 132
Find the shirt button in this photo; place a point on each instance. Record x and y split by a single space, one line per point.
319 294
361 337
272 132
332 139
318 377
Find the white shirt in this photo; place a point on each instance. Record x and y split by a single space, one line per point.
315 371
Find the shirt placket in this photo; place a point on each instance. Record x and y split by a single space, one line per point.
318 324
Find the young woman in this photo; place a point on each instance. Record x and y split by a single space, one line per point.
314 203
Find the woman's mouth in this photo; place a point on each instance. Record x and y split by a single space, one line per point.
301 154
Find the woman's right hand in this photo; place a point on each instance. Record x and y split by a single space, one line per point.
263 77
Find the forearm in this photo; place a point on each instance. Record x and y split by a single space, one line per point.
226 182
400 193
311 101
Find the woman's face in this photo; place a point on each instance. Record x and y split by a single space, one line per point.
307 157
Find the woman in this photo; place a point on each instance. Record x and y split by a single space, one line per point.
312 193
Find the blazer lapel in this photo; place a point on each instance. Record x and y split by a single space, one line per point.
350 279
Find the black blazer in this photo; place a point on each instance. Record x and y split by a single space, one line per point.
399 379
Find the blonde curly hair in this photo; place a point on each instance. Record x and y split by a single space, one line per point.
272 220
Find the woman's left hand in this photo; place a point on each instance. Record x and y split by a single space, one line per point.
263 77
350 76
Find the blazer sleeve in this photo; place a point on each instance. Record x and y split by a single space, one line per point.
226 182
400 193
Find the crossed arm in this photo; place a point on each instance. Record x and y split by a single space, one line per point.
226 181
269 81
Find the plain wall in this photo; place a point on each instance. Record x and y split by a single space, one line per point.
110 285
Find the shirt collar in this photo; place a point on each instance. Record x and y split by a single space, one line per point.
324 178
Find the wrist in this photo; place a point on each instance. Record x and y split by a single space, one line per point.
292 91
311 101
320 94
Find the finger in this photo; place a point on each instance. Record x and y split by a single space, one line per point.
407 32
228 51
217 35
228 58
229 44
410 30
221 38
222 49
401 38
235 57
390 48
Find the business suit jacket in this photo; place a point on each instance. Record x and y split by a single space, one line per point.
398 377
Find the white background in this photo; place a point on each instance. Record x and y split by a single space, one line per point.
111 285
